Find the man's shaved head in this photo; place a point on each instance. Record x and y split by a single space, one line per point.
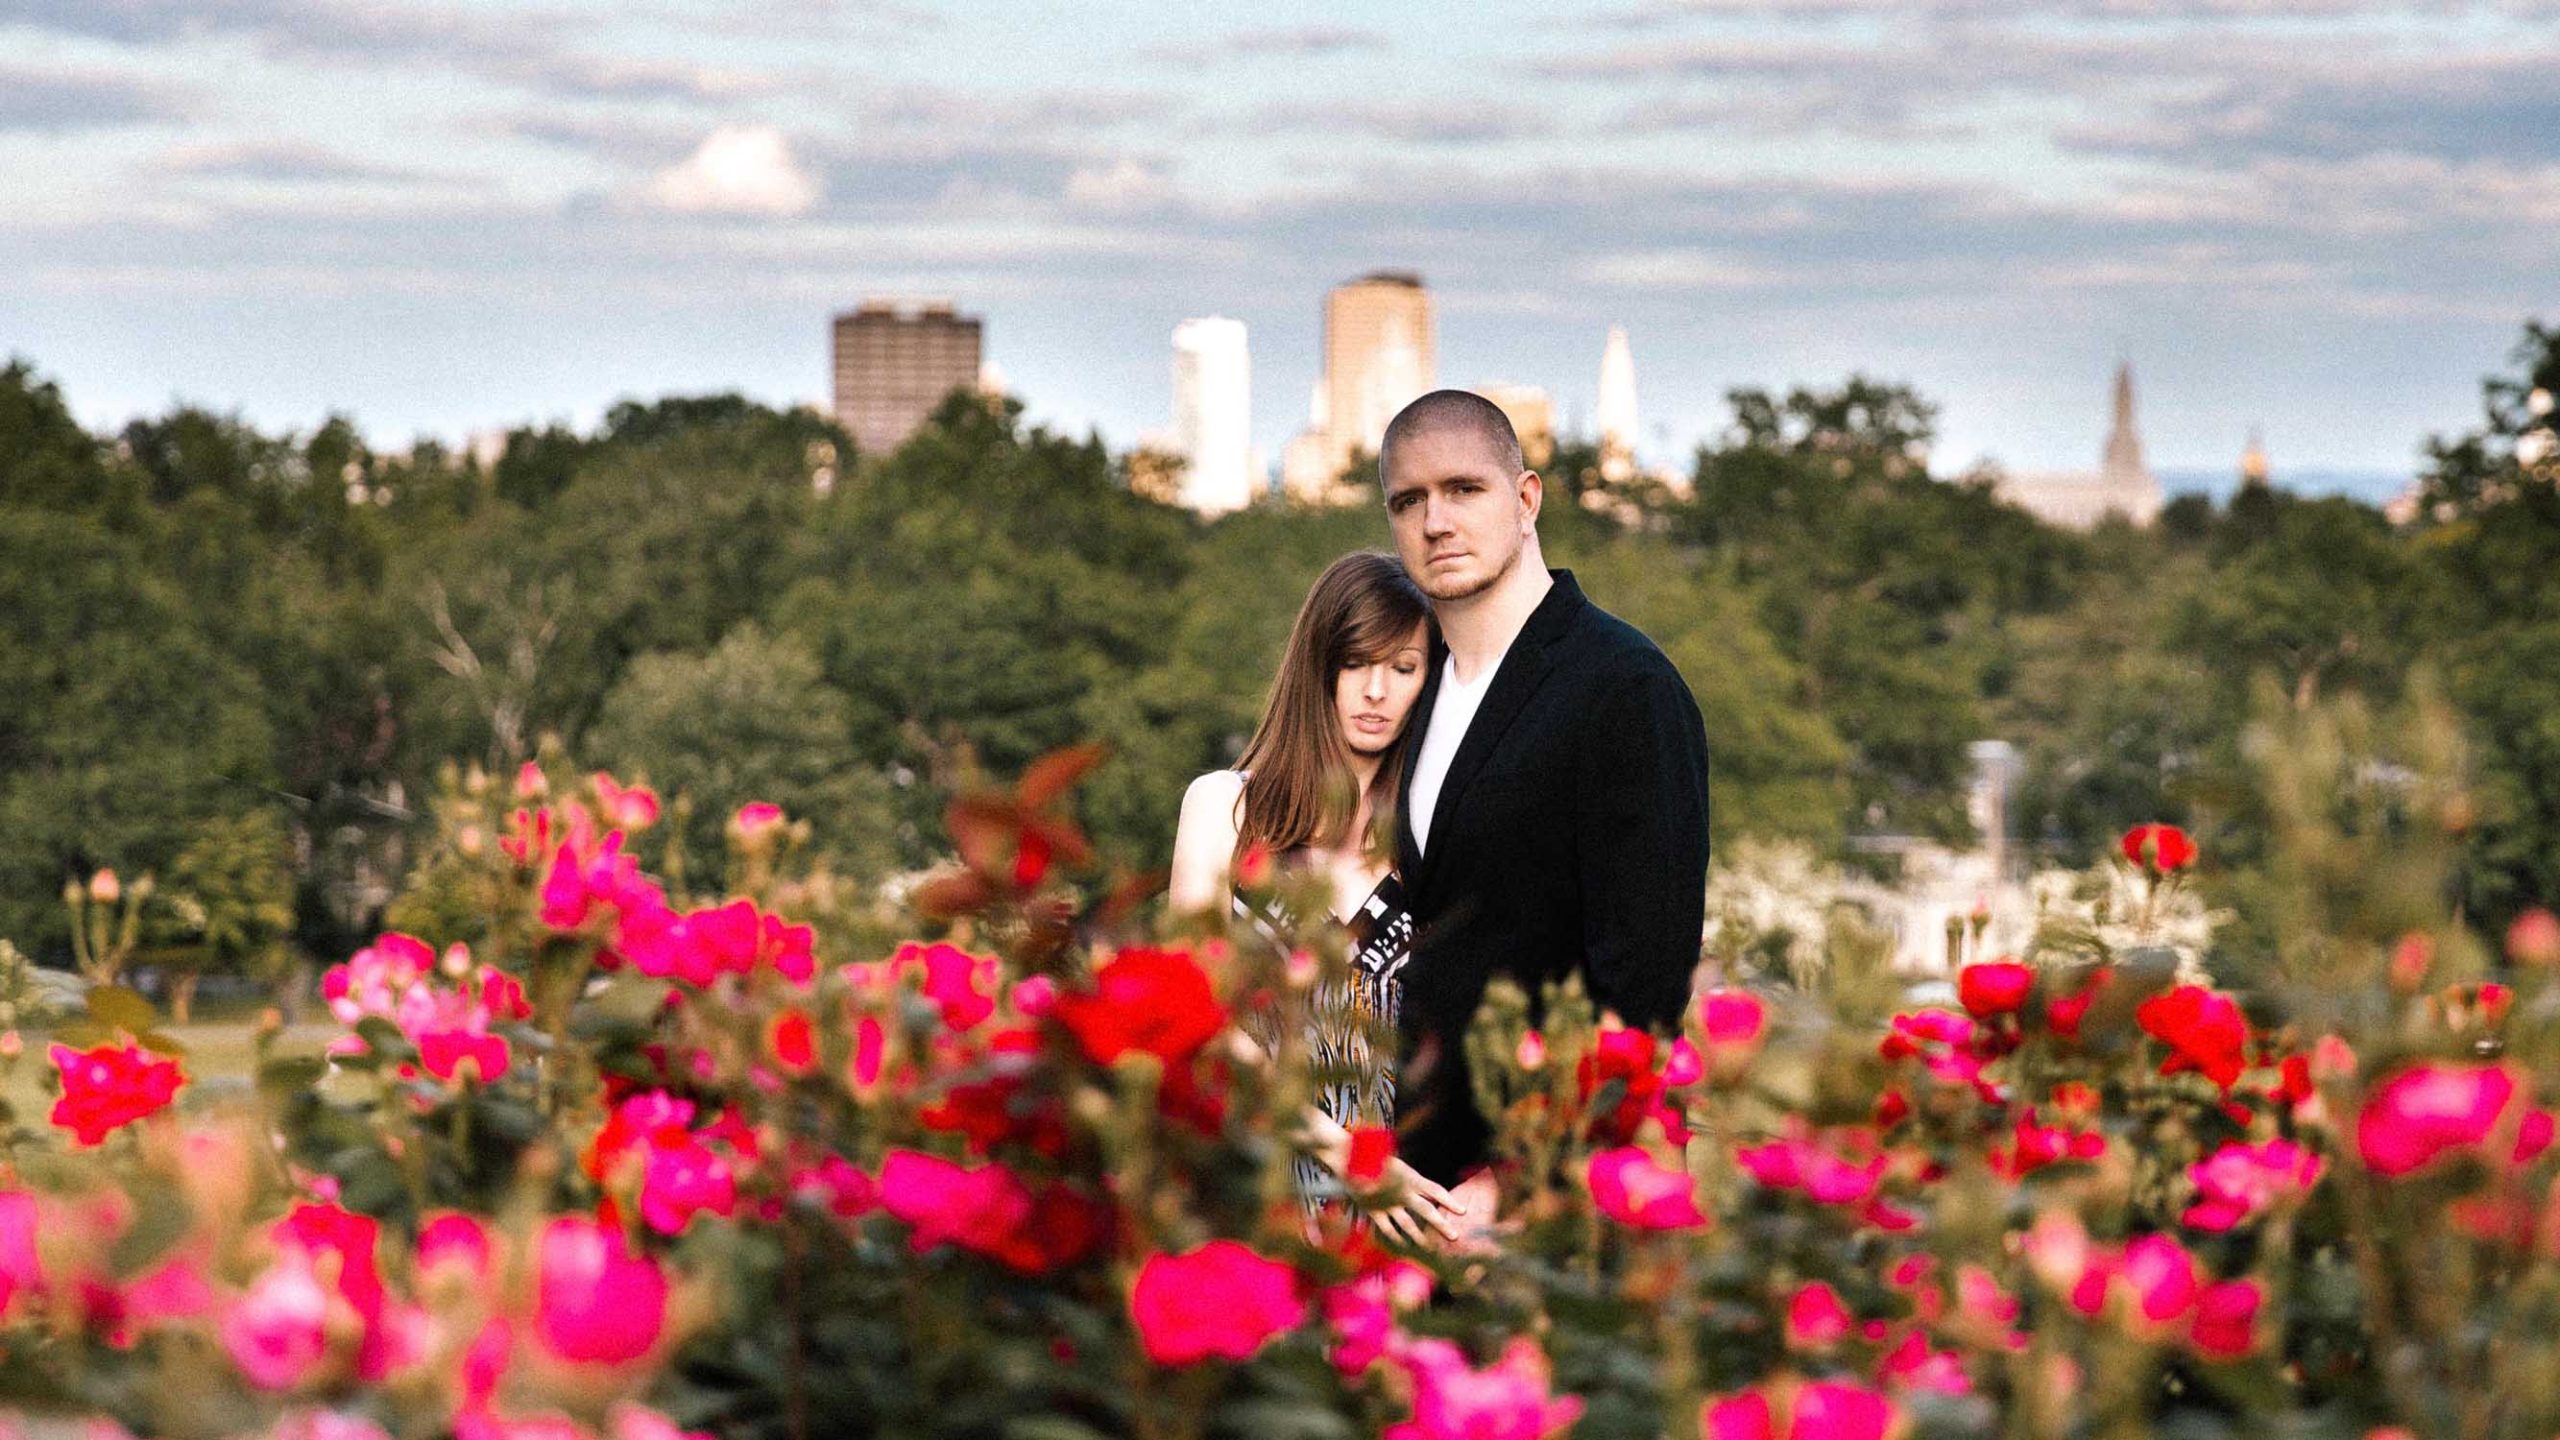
1456 411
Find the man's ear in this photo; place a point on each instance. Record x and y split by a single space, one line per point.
1533 492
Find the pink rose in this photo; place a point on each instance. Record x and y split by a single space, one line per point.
1631 1188
595 1302
1221 1300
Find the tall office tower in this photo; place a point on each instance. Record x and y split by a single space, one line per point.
1532 414
1378 358
1378 354
893 366
1213 414
1616 413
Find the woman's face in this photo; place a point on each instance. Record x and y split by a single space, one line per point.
1372 700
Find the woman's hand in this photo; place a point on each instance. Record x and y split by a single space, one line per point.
1422 1213
1420 1208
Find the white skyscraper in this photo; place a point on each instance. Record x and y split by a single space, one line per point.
1616 414
1213 414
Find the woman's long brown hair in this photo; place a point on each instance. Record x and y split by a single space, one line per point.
1298 787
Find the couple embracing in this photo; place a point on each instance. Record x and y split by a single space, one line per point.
1498 778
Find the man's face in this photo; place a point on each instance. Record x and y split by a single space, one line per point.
1459 513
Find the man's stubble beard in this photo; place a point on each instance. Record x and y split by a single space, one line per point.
1464 592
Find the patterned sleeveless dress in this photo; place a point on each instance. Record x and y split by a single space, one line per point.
1348 1023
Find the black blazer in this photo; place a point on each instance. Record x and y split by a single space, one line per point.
1570 835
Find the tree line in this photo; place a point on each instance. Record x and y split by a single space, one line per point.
239 662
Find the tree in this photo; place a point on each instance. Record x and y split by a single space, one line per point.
970 592
231 892
121 724
751 720
1776 768
2489 535
1888 589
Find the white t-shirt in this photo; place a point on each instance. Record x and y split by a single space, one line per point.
1450 716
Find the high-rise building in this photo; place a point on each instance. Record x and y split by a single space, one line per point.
1532 413
895 365
1379 356
1616 413
1213 414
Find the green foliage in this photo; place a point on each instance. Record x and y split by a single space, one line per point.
751 720
122 721
1886 587
231 891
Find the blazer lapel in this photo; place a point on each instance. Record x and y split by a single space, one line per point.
1517 679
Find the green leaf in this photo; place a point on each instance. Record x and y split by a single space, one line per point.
285 1076
82 1034
161 1042
384 1038
119 1008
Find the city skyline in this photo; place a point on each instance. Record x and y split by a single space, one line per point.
2322 218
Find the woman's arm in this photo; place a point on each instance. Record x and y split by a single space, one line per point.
1204 844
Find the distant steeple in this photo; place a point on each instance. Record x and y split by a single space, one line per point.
2124 442
2253 461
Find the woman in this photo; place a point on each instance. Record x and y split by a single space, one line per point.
1315 788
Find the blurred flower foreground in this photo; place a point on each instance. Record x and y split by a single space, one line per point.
589 1156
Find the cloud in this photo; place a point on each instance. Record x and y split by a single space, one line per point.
615 137
1124 184
57 102
2459 108
931 113
737 170
1421 122
287 162
1677 269
541 50
640 78
1296 42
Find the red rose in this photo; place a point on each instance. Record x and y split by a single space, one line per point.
793 1041
1146 1002
2159 847
1996 987
110 1087
1627 1057
988 1209
1372 1146
2204 1030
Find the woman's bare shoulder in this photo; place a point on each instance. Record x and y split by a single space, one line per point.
1216 787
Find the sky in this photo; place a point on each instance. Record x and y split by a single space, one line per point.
2325 219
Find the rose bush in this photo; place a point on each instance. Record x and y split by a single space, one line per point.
595 1157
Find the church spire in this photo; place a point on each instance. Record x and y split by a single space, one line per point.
2124 441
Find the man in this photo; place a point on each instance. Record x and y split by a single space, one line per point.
1553 816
